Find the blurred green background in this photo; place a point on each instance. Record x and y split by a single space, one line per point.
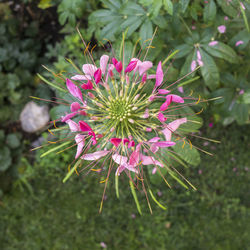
37 211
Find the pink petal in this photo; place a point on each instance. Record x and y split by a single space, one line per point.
131 168
68 116
144 66
119 159
119 170
73 126
151 76
131 66
93 138
84 126
89 69
114 61
80 144
242 6
125 140
159 75
161 117
118 67
98 75
134 158
88 85
164 106
154 170
74 106
154 139
74 90
163 91
193 65
180 89
131 144
150 160
171 127
239 43
95 156
116 141
148 129
146 114
213 43
198 53
144 78
91 95
164 144
222 29
200 62
103 63
174 98
81 77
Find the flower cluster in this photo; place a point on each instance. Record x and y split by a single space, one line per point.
119 119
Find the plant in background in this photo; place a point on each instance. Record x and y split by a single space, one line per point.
123 117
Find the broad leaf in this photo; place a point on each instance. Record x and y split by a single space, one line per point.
209 71
168 6
209 12
223 51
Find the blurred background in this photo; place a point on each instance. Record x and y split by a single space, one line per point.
38 211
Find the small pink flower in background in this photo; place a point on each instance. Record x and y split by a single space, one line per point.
206 143
159 193
213 43
241 92
246 169
193 65
103 245
200 171
239 43
222 29
133 216
232 159
180 89
193 27
242 6
226 18
210 124
234 169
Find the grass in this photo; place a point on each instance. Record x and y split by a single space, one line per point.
53 215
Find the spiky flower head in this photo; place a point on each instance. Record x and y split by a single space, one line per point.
122 119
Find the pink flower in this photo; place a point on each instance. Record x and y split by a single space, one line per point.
213 43
131 66
193 65
226 18
239 43
222 29
159 75
242 6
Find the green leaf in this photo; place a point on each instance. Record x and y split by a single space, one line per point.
13 141
246 97
228 7
132 23
209 71
185 69
109 30
244 17
240 112
244 36
184 49
104 16
146 31
184 4
188 153
209 13
223 51
135 197
168 6
5 158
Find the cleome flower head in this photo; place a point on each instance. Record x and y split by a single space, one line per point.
120 120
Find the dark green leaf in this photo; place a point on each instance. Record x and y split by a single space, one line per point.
209 71
5 158
184 49
209 12
223 51
168 6
187 153
146 31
